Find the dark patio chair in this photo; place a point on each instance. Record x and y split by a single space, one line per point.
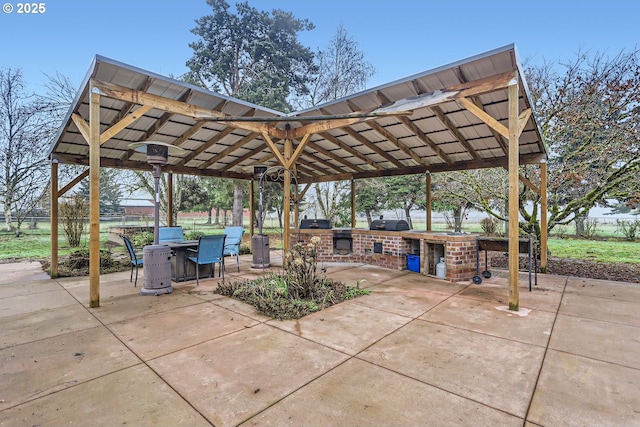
210 251
232 242
136 259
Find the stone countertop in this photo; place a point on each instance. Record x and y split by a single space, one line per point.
433 236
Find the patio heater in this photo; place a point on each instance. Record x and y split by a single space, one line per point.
157 258
260 242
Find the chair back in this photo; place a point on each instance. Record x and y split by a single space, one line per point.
233 240
211 248
129 247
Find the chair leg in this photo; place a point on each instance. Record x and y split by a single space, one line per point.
238 261
197 275
135 285
131 275
222 268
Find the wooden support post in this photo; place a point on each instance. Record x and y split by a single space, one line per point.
54 219
428 201
543 216
353 203
296 207
514 297
94 198
286 223
170 200
252 208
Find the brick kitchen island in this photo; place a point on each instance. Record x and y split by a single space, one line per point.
389 249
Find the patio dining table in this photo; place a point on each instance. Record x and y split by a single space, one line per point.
181 270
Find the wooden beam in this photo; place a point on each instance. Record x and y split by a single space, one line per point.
433 168
401 145
428 201
522 120
73 183
244 157
82 126
482 115
514 297
228 150
311 166
123 123
275 150
529 184
454 130
334 156
425 139
94 198
304 190
188 134
54 203
355 153
286 223
409 124
122 93
299 149
373 147
353 203
186 159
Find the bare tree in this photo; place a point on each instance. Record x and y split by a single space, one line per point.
26 127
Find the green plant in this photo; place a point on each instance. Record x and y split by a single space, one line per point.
590 227
629 228
300 291
193 234
73 214
142 239
489 226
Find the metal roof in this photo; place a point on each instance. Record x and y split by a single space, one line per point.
416 124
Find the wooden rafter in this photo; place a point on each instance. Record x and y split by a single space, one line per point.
226 131
409 124
323 162
334 156
275 150
244 157
355 153
454 130
229 150
389 137
122 93
373 147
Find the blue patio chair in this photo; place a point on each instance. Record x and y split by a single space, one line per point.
136 260
210 251
232 243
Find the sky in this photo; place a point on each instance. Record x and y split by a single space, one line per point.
399 38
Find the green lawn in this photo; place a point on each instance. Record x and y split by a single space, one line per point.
35 244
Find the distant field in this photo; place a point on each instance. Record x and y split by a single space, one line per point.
35 244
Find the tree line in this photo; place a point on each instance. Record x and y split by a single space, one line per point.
587 108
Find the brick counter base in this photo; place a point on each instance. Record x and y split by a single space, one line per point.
459 250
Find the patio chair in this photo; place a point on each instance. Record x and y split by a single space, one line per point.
136 260
210 251
232 243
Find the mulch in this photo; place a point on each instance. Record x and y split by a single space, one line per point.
616 271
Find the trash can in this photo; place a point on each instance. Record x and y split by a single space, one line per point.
156 270
413 263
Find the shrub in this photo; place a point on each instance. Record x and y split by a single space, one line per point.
489 226
300 291
193 235
589 228
73 214
142 239
629 228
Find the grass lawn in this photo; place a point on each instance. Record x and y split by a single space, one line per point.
35 244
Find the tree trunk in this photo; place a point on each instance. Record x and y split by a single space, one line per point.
209 215
407 215
237 204
369 218
217 221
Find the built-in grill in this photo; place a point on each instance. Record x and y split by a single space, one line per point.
390 225
342 241
324 224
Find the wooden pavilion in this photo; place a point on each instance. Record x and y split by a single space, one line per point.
475 113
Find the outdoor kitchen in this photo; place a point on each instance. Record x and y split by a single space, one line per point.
392 244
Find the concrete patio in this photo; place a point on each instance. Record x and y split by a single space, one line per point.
417 351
